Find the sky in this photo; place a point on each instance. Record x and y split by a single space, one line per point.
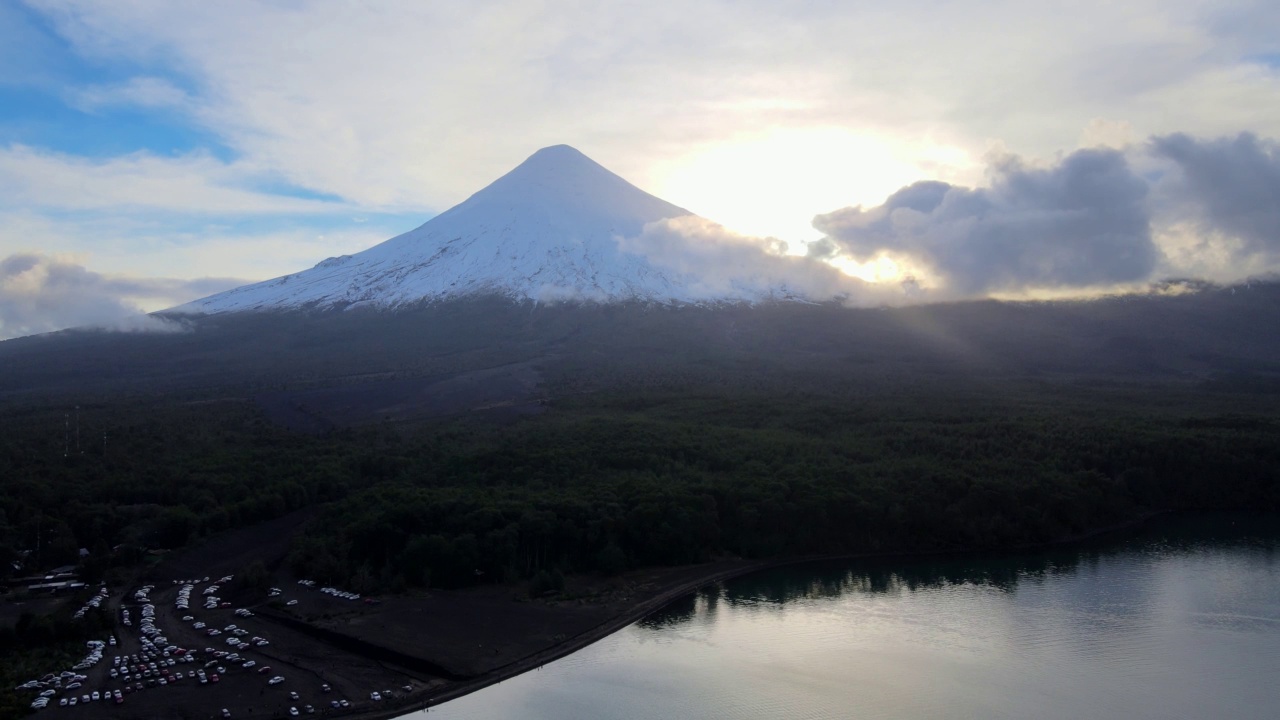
153 152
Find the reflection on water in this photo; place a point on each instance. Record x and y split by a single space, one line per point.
1179 619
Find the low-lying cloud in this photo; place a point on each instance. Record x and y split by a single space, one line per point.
40 293
1095 220
714 262
1080 223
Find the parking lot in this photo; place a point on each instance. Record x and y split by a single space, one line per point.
197 648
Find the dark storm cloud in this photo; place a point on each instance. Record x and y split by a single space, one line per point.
39 294
1080 223
1232 185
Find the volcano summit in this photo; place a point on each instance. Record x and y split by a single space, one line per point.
547 230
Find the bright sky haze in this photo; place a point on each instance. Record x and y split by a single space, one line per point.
155 151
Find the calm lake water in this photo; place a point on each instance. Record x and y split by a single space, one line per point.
1178 620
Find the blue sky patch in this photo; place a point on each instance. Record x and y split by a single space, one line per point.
40 74
31 116
1271 60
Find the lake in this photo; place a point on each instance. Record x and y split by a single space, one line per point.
1180 619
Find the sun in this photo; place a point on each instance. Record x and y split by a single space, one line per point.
878 269
773 183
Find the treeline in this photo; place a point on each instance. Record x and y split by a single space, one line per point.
602 482
601 485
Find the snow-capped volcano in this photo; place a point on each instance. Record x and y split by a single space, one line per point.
547 230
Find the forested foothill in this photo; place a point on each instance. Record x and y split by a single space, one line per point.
650 437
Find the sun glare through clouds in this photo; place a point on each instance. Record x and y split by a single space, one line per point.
772 184
879 269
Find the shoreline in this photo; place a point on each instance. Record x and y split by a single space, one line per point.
669 595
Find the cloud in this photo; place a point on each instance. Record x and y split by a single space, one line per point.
714 262
415 104
1226 186
178 246
1081 223
39 293
193 183
146 92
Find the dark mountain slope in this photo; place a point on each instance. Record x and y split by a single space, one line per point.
1223 335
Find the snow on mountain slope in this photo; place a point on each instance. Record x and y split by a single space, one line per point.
547 230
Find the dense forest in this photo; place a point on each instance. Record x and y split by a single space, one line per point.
603 485
606 481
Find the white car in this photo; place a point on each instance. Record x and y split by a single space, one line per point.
375 695
276 680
